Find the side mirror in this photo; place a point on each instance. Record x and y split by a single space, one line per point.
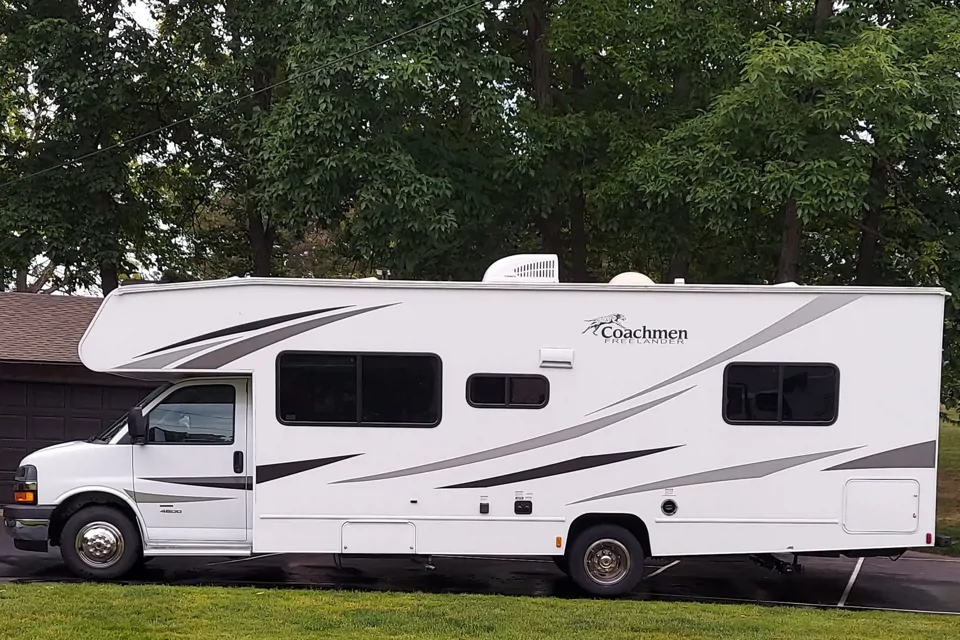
137 426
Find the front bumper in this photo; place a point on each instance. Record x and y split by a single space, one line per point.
28 525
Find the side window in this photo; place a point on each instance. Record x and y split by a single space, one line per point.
495 390
202 414
784 394
358 389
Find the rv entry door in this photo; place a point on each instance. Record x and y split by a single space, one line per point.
191 479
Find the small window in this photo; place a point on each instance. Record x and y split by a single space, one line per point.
781 394
358 389
202 414
490 390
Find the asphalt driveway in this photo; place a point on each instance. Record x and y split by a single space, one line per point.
917 582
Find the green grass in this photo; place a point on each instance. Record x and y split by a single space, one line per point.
101 612
948 486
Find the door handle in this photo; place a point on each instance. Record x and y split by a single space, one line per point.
238 461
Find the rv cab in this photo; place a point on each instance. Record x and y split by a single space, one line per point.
594 424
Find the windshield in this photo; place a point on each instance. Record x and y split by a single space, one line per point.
110 432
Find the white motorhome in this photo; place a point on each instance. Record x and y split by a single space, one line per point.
597 424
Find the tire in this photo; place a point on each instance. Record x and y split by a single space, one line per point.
563 563
104 528
600 544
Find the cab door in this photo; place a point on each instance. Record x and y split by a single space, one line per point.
191 479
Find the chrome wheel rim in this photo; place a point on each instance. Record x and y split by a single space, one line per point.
607 561
99 545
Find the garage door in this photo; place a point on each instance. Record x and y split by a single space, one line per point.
34 415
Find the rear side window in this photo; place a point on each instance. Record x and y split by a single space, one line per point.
510 391
781 393
358 389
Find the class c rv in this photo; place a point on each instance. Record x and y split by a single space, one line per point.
595 424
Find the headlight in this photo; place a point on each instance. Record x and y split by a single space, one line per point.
25 485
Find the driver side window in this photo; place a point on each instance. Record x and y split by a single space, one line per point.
202 414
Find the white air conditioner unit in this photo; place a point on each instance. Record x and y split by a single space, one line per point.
532 267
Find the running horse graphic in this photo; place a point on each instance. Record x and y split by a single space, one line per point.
598 323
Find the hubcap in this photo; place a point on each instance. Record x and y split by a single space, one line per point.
607 561
99 544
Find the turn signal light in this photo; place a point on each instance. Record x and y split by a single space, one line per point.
25 497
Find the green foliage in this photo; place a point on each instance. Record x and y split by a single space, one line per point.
674 138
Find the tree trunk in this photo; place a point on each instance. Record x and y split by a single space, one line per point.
22 279
870 224
578 233
789 260
823 13
535 19
261 243
109 276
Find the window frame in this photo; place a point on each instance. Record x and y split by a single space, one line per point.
359 355
507 377
781 366
174 390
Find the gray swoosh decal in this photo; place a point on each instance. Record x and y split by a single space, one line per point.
162 360
233 351
563 435
159 498
816 308
213 482
914 456
749 471
246 327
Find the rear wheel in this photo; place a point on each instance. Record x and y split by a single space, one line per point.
606 560
100 543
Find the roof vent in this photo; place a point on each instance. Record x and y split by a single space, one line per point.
533 267
631 277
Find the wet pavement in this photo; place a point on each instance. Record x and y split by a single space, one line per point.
916 582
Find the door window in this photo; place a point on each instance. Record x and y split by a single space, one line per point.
202 414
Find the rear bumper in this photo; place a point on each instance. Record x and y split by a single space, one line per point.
28 525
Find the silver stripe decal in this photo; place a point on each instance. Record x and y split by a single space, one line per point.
141 497
563 435
914 456
816 308
748 471
236 350
162 360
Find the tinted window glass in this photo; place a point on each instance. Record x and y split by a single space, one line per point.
400 389
781 393
809 394
752 392
352 389
317 387
528 391
505 391
194 415
487 390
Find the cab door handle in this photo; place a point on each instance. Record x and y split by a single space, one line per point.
238 461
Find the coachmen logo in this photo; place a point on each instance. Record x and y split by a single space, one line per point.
613 330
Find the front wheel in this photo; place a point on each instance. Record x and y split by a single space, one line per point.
606 560
100 543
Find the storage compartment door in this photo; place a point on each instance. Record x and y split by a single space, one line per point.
881 506
378 537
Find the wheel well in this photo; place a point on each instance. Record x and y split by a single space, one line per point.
628 521
74 503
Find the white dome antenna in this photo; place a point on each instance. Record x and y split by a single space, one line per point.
528 267
631 277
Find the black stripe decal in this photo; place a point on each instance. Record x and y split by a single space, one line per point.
241 328
559 468
219 482
268 472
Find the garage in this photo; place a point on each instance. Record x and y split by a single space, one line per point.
46 395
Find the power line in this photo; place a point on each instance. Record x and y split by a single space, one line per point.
216 108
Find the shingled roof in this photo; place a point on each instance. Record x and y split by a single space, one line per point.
43 328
